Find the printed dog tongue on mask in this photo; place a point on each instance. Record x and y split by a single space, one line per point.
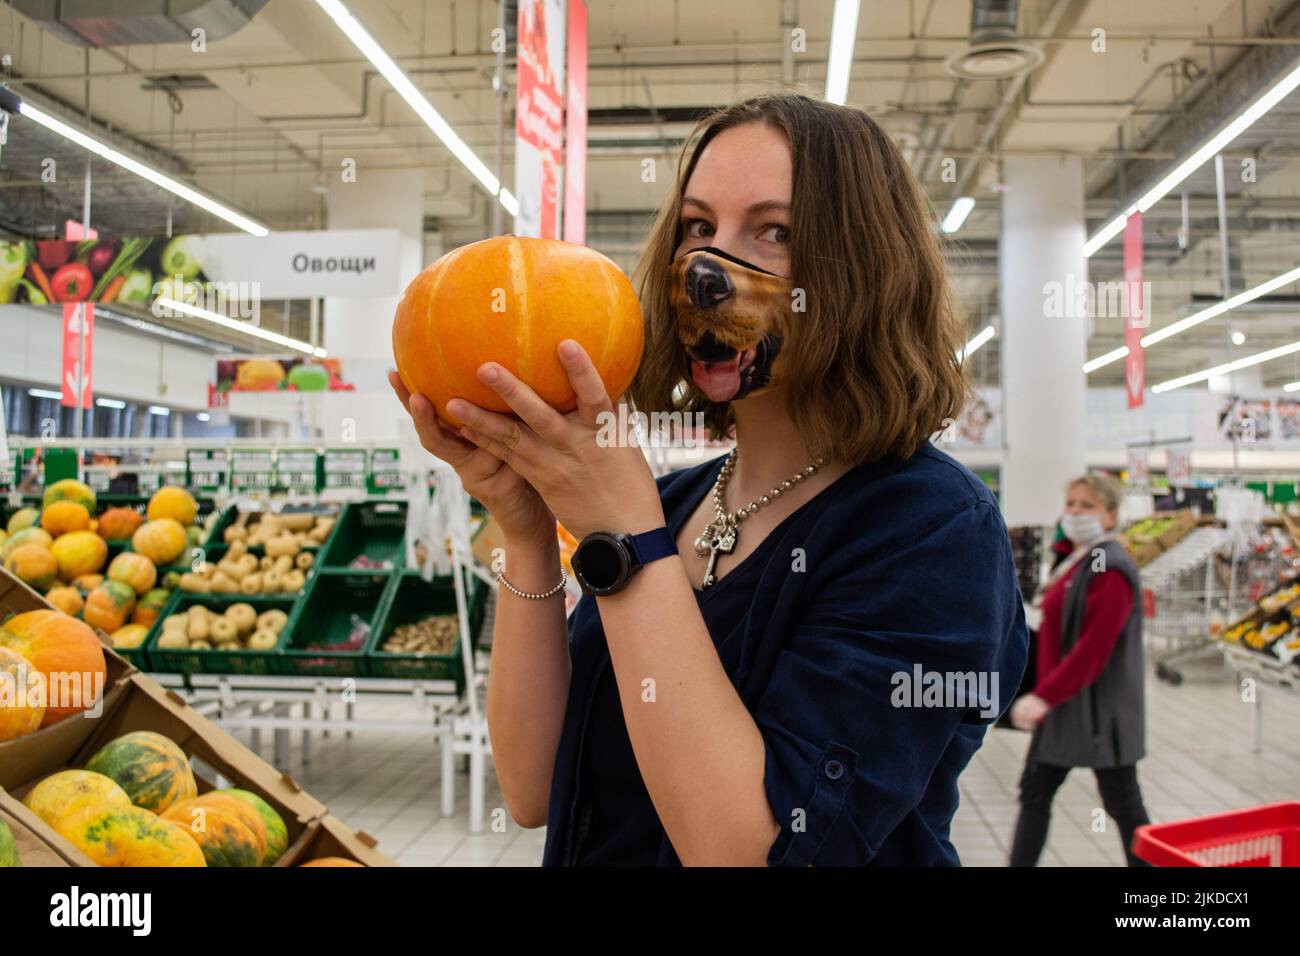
720 381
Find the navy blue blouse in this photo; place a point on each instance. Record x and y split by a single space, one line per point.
873 635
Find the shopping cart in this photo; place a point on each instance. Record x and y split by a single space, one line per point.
1260 836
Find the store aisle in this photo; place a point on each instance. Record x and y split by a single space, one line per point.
1200 762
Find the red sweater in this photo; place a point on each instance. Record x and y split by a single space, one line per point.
1110 600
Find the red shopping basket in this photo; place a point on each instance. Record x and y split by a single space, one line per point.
1261 836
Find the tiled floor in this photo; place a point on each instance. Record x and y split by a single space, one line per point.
1199 761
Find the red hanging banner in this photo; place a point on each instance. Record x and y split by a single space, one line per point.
575 155
78 352
1135 312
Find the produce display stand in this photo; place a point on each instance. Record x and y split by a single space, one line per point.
302 684
1182 600
1265 671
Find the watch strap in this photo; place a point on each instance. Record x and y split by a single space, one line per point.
651 546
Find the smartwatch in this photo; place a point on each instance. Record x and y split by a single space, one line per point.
604 562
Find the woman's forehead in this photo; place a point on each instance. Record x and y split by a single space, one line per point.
742 167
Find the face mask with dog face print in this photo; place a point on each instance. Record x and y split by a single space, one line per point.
732 317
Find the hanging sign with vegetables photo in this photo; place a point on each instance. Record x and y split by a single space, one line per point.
280 373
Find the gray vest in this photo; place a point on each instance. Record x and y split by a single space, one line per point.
1104 724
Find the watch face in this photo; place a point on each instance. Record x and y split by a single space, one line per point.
600 563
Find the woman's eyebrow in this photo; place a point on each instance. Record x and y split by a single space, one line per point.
769 205
697 202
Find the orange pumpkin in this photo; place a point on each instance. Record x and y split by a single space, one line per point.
66 599
161 540
173 502
26 536
86 583
23 691
109 606
150 605
66 651
64 516
69 489
79 552
129 636
118 524
513 300
134 570
331 861
33 565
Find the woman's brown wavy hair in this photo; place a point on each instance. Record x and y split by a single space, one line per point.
877 373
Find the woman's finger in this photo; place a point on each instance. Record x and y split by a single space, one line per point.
508 432
593 399
536 414
502 453
403 396
434 436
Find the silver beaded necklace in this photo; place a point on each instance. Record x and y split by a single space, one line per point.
719 535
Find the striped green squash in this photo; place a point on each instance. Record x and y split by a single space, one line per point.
154 772
8 849
277 836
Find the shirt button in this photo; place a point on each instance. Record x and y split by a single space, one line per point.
834 769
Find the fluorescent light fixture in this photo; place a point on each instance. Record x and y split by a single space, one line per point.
1113 356
44 393
982 336
1209 148
957 214
1106 233
103 150
844 37
297 345
1291 387
1227 305
407 90
1257 359
203 416
159 410
109 403
1239 337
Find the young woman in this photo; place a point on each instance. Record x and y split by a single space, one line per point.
795 654
1086 708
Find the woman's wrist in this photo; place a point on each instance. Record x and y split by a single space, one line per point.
531 563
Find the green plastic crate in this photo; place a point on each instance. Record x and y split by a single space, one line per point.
410 599
324 615
375 529
245 662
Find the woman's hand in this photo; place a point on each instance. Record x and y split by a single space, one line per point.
1028 712
590 482
516 506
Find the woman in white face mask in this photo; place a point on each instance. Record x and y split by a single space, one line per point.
1086 709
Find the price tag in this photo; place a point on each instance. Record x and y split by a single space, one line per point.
150 480
251 470
345 468
208 468
296 469
385 469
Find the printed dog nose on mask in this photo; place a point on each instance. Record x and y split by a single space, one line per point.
732 317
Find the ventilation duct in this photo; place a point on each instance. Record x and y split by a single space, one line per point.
104 23
994 53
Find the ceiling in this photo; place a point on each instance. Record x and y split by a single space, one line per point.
261 116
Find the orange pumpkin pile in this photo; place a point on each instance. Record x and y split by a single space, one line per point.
513 300
62 551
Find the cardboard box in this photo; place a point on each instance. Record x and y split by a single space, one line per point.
66 735
1184 521
38 845
329 836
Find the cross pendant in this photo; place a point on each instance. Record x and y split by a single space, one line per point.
721 544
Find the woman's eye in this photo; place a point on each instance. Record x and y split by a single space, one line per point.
776 233
698 228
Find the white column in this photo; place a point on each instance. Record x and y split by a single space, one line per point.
359 331
1044 387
